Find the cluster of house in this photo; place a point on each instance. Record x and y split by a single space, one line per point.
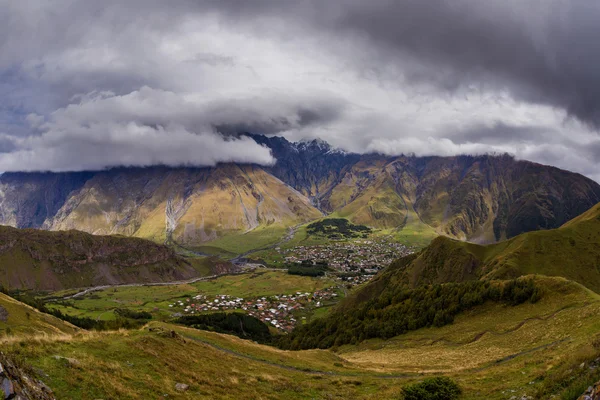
365 256
280 311
356 279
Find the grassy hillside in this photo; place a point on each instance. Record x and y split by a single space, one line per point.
42 260
571 251
19 320
448 278
492 352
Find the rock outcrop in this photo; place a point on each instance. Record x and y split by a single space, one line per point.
18 384
592 393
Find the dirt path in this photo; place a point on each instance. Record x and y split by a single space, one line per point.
103 287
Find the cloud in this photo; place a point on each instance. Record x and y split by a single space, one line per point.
103 145
146 81
542 51
143 128
150 127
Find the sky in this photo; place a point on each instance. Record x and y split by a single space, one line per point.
88 85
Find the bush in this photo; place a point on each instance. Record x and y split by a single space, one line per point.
236 323
307 270
126 313
440 388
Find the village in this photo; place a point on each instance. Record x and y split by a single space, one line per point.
351 263
366 257
283 312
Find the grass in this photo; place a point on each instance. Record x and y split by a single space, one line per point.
258 238
493 352
156 299
143 365
25 321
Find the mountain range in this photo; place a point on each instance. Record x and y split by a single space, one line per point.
482 199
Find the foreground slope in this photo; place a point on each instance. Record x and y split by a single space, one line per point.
40 260
571 251
493 352
19 320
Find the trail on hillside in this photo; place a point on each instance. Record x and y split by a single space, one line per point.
296 369
480 335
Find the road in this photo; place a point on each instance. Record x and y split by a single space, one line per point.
83 292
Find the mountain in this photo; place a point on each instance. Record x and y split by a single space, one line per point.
40 260
476 198
571 251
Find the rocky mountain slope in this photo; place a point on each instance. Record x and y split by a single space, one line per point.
40 260
481 199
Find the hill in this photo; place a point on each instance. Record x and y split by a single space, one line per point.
239 207
20 320
534 349
41 260
571 251
449 277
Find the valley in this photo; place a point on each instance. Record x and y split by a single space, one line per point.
356 298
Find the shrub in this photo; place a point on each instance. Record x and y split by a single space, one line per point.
440 388
236 323
126 313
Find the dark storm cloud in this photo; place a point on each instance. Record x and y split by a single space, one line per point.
435 76
543 51
501 133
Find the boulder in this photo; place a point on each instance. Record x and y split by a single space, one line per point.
181 387
7 388
3 314
592 393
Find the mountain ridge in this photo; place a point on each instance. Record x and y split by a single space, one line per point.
478 198
49 261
